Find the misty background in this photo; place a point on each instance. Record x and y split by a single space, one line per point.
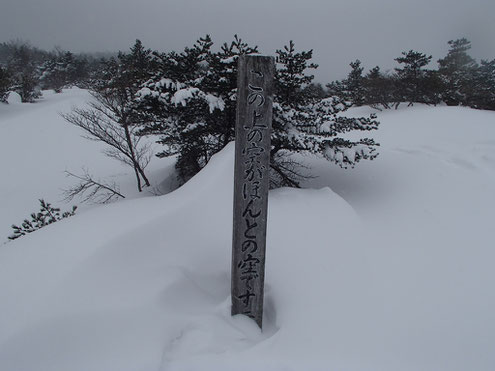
338 31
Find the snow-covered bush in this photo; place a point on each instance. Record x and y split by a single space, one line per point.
190 103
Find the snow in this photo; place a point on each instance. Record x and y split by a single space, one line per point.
384 267
37 145
14 98
182 95
229 59
214 102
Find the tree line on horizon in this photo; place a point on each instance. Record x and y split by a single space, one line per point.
459 79
28 70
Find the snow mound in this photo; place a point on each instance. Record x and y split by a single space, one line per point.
14 98
147 281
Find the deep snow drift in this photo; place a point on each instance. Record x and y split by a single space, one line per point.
390 268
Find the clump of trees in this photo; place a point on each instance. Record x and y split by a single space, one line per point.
187 100
27 70
24 74
458 81
190 104
63 70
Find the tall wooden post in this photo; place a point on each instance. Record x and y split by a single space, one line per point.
251 183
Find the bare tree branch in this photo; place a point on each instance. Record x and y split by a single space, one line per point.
89 189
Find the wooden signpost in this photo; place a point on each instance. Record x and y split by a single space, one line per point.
251 183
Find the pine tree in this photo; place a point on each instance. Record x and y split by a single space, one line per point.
336 89
191 102
5 84
315 91
305 124
457 71
58 72
484 94
23 69
79 73
355 84
291 75
378 89
412 80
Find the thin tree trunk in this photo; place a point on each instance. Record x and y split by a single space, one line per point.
141 171
133 156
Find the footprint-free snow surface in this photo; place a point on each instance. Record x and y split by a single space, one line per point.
385 267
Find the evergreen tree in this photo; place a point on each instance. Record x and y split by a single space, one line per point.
5 84
484 94
58 72
79 73
457 71
305 124
23 69
315 91
336 89
378 89
191 102
411 78
355 83
291 75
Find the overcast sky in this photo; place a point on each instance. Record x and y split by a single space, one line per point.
339 31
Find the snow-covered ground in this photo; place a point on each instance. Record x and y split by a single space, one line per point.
384 267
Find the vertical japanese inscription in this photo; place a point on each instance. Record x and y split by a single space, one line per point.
251 183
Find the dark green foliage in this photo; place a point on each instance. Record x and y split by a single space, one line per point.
190 102
353 88
459 80
32 69
315 91
308 124
63 70
457 71
45 216
484 83
291 75
413 82
378 89
23 68
8 50
5 84
354 84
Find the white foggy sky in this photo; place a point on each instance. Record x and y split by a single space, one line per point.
339 31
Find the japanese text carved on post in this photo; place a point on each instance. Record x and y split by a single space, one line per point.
251 183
